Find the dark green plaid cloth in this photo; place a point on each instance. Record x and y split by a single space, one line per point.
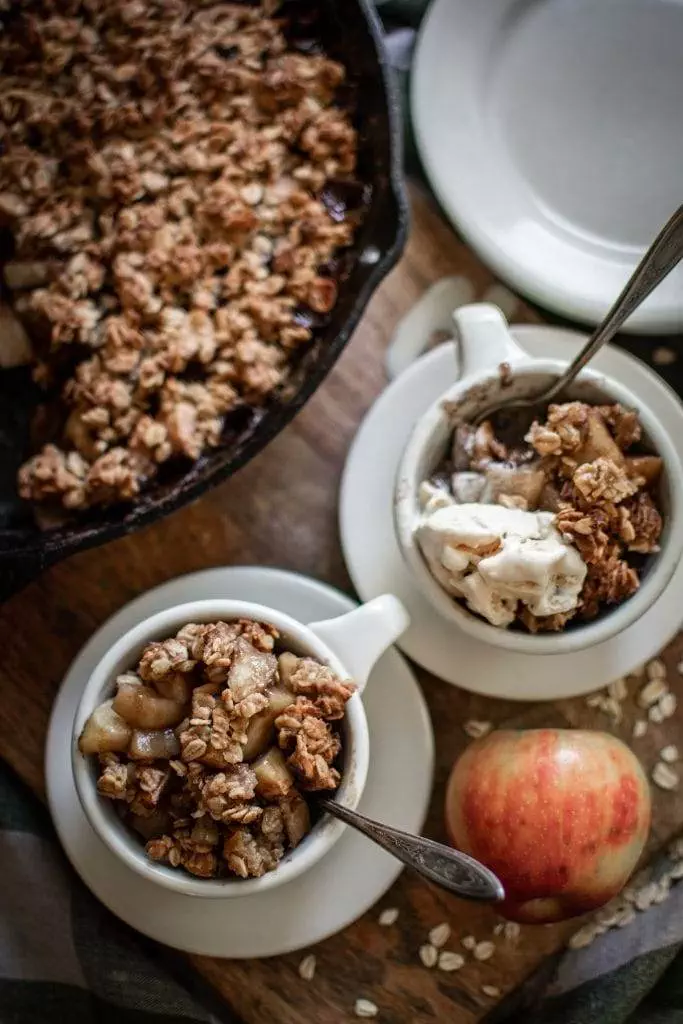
67 960
64 959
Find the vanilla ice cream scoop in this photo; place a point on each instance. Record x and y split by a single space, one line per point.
494 557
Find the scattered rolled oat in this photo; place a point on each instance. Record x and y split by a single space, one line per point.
668 705
669 754
511 930
307 967
498 928
365 1008
469 942
656 669
484 950
639 728
428 954
476 730
652 692
656 715
451 961
617 689
664 776
388 917
676 872
663 356
440 935
491 991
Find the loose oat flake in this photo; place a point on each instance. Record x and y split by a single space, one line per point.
484 951
365 1008
656 669
652 692
428 954
511 930
491 991
451 961
476 730
440 935
469 942
388 917
669 754
664 776
307 967
639 729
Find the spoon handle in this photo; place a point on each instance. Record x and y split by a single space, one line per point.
438 863
660 259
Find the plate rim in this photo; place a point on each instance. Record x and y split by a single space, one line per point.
547 293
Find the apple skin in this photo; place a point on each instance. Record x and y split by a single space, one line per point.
560 815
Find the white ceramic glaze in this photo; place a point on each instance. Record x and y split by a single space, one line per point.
485 344
335 891
350 644
376 565
552 134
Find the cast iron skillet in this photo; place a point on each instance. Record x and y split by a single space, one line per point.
351 33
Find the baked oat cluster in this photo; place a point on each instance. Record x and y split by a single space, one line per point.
589 483
164 168
211 744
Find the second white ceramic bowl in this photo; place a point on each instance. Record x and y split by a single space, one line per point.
485 343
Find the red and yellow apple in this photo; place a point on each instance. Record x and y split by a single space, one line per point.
560 815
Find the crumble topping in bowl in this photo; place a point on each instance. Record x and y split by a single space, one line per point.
168 174
211 744
548 532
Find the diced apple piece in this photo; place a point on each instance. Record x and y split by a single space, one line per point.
525 482
143 708
260 727
104 732
598 443
296 817
274 777
151 825
251 671
153 744
649 467
286 664
175 686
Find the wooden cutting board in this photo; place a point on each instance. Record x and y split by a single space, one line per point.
282 510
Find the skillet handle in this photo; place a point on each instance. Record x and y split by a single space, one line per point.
17 573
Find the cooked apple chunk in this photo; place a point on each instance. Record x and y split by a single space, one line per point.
105 731
274 777
143 708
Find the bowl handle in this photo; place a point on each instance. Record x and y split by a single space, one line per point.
485 338
361 636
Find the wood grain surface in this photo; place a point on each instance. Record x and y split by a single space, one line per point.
281 510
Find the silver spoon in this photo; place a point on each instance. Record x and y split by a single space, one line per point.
660 259
440 864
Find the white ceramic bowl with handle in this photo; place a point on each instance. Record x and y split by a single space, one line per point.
349 644
485 343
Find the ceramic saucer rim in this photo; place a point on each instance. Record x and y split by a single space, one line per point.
173 909
444 650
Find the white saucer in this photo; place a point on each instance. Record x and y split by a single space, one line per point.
376 565
552 134
353 876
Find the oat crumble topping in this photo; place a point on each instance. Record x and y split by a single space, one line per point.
211 743
162 174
